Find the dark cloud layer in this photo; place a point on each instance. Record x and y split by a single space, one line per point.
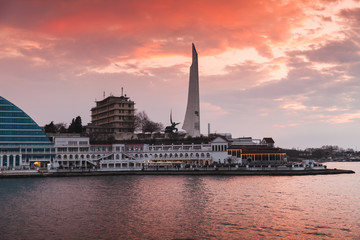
338 52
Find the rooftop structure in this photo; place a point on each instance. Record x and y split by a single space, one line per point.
192 115
113 115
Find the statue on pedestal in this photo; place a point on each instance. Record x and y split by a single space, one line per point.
172 128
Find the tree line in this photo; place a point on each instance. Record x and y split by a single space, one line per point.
142 123
74 127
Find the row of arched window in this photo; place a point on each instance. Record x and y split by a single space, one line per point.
76 156
173 155
117 156
83 157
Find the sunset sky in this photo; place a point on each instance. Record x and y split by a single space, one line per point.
283 69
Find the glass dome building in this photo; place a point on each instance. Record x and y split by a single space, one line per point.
17 128
22 141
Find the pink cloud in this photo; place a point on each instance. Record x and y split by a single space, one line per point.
215 26
213 109
285 125
341 118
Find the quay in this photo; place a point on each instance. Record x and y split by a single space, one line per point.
194 172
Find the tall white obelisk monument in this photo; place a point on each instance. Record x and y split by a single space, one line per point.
192 116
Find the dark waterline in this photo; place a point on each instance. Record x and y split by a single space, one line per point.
182 207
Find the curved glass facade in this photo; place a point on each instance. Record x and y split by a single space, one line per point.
17 128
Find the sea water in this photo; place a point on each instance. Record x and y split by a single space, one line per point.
183 207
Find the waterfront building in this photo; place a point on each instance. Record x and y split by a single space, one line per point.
113 115
23 144
192 116
219 153
78 153
257 155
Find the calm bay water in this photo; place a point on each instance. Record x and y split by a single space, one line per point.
182 207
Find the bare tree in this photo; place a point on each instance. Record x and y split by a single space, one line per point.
144 124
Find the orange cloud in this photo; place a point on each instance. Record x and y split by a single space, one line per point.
215 25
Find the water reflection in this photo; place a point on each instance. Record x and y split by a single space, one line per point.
181 207
195 209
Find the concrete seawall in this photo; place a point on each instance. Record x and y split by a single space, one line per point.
22 174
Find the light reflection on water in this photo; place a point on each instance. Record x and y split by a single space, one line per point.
182 207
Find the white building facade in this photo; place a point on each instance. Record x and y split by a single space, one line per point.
78 153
